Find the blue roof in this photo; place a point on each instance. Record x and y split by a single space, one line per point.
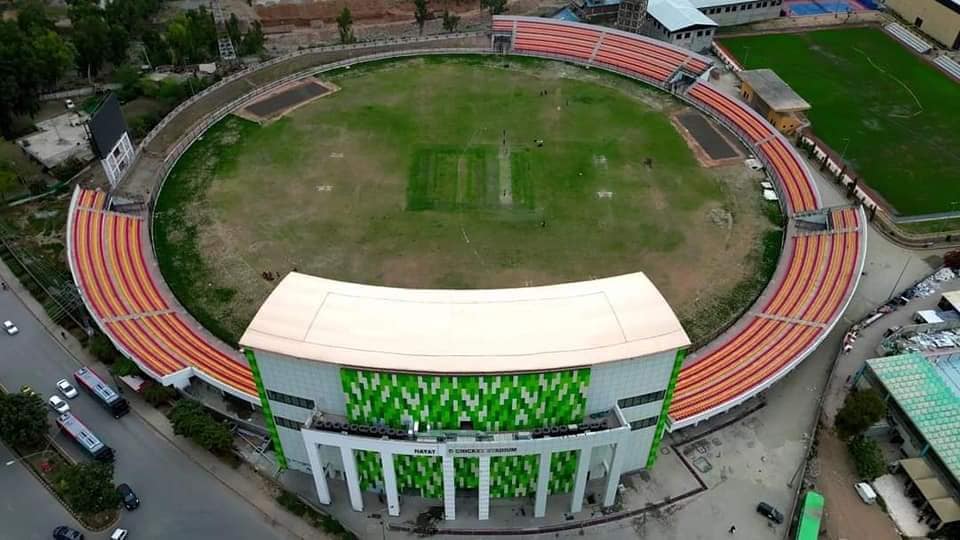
566 14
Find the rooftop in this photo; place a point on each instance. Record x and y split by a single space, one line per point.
678 14
773 90
465 331
932 404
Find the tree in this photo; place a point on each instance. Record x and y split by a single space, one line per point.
129 79
191 419
102 349
421 13
253 40
54 56
233 29
450 21
91 38
19 76
88 488
861 409
23 420
345 25
495 6
119 43
192 37
952 260
32 17
867 457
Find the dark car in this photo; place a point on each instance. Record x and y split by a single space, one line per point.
770 513
129 498
66 533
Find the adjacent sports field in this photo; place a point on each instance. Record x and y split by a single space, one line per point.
895 119
463 173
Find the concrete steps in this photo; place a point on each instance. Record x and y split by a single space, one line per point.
907 37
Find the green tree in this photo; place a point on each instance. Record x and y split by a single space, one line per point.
345 25
867 457
119 43
233 29
861 409
253 40
19 76
128 77
495 6
450 21
88 487
192 37
191 419
102 349
421 13
156 394
91 38
156 48
54 56
8 182
32 17
23 420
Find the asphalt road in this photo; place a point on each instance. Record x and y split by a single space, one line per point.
179 499
26 508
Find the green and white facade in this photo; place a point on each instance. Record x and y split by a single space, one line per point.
496 393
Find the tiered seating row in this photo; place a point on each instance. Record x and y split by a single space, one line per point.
109 263
585 43
800 194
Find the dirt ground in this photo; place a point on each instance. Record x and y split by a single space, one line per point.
845 515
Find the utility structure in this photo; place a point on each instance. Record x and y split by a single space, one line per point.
631 15
227 52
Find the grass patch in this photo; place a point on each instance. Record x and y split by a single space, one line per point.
932 227
429 173
894 115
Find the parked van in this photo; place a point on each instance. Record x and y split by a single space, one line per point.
866 492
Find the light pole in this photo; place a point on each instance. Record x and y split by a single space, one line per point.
846 143
12 461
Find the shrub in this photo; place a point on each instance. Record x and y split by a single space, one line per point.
861 409
156 394
88 488
191 419
867 457
104 351
123 366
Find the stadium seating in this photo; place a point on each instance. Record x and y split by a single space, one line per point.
106 252
636 55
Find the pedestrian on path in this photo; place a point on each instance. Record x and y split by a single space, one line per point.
733 529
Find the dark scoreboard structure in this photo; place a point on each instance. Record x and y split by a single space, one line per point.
110 137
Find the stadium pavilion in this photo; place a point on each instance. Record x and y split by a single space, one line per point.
501 393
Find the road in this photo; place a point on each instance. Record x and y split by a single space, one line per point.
179 499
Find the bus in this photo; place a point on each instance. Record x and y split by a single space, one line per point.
101 392
809 526
73 427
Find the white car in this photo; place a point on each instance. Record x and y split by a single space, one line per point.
10 328
69 104
59 405
120 534
66 389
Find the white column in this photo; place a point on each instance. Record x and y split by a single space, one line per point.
543 484
319 475
613 474
580 480
483 510
353 479
449 489
390 484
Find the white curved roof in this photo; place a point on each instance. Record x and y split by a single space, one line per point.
465 331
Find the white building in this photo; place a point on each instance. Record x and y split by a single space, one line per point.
501 393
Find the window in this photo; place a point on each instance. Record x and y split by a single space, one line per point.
645 423
640 400
287 423
699 33
290 400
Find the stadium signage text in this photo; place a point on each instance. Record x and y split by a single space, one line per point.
482 450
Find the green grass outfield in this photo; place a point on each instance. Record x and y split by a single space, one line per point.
897 117
427 173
